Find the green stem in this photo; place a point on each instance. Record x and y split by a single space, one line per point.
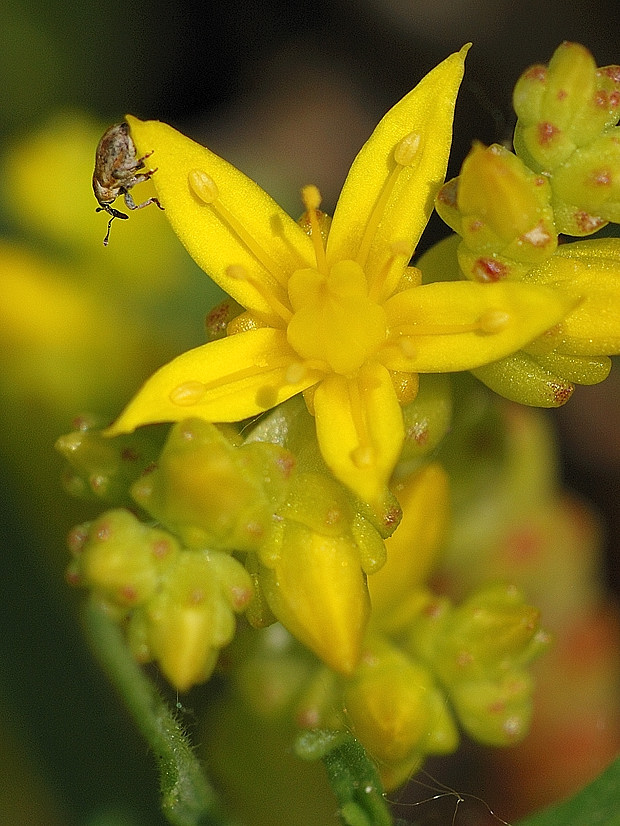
352 775
187 797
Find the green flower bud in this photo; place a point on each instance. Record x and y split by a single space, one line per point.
120 558
191 616
103 469
493 628
211 493
478 652
427 419
503 212
495 712
564 106
586 186
577 369
397 712
521 378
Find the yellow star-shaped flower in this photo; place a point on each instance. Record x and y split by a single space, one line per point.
347 321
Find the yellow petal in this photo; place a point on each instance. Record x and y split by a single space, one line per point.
427 112
274 245
360 429
460 325
589 273
223 381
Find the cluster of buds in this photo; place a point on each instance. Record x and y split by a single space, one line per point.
178 605
509 209
303 546
259 526
567 114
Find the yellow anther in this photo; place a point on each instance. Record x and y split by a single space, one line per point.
407 346
188 394
203 186
267 397
295 372
363 456
311 197
493 321
237 272
406 152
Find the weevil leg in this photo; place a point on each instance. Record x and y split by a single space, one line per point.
114 213
131 204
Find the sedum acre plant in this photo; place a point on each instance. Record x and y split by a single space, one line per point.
285 533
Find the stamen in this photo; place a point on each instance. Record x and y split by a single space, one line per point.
267 397
490 322
377 290
240 273
406 154
311 198
204 187
194 392
363 455
407 346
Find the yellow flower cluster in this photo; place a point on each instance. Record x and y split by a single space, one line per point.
324 513
346 322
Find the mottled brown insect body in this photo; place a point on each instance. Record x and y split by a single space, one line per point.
117 170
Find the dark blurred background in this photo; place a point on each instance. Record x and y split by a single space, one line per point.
288 91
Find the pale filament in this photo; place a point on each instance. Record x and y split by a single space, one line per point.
311 198
205 188
406 154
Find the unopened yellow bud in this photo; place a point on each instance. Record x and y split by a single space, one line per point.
191 616
412 548
317 589
505 208
588 273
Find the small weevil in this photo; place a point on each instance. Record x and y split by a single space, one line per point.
116 166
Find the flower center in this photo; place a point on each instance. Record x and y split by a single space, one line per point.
334 320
